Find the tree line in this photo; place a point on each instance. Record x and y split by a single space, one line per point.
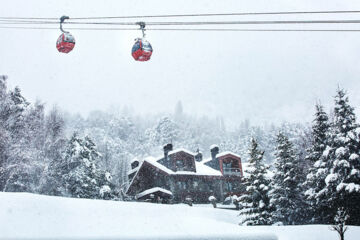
314 169
36 156
329 182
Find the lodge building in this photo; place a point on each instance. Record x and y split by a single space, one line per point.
181 174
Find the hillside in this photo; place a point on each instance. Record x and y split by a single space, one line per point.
30 216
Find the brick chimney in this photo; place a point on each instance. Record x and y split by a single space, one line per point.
167 148
198 156
214 150
135 163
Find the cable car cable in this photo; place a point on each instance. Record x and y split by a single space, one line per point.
189 29
256 22
224 22
222 14
197 15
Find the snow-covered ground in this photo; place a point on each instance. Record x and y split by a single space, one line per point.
30 216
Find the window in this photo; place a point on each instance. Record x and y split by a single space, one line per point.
204 186
228 186
146 46
180 164
69 38
136 47
181 185
226 167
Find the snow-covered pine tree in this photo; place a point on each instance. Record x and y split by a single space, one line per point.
53 151
167 131
55 135
103 178
315 179
4 132
81 179
343 180
58 170
76 174
107 188
17 112
256 205
22 121
286 196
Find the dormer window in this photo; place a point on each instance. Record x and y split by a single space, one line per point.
179 160
180 164
227 167
230 166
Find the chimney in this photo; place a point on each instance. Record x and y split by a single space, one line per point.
167 148
214 149
134 163
198 156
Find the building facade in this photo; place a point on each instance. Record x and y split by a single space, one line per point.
181 174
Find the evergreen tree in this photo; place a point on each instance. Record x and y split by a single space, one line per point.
21 165
256 204
286 196
18 109
107 188
55 135
343 179
54 149
81 178
167 131
315 180
77 175
4 132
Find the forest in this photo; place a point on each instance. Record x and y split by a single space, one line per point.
316 166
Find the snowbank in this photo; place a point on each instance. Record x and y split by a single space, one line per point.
30 216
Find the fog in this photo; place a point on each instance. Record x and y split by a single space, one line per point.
261 76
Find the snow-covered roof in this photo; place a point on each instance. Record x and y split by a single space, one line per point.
185 173
227 153
220 155
133 170
202 169
153 161
152 190
181 150
206 160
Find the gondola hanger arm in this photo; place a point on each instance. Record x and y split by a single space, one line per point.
62 19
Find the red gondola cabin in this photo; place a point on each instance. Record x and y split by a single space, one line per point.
65 43
141 50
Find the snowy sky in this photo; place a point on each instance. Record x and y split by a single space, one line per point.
262 76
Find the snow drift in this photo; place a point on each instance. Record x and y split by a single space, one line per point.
31 216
